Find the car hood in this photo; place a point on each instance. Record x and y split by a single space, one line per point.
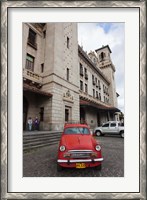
78 141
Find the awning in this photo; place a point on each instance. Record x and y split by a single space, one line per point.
33 89
98 106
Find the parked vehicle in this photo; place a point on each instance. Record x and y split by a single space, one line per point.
110 127
78 148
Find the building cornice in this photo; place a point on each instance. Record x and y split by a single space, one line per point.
87 102
103 47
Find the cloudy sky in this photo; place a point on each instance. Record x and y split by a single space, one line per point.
93 35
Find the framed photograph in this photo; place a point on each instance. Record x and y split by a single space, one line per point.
31 103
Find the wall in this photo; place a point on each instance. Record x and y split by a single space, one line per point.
59 59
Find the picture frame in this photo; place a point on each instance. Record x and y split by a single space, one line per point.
5 108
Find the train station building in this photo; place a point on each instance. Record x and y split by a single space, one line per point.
62 82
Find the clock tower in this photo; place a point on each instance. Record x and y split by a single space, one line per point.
107 67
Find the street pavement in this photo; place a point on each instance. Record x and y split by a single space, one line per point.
42 162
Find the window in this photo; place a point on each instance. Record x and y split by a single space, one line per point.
86 90
106 125
81 85
102 56
93 93
99 84
41 114
30 62
86 75
77 130
97 96
93 81
67 74
106 90
68 42
42 67
113 125
81 69
32 38
96 81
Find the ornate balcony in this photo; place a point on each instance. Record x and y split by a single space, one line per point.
32 77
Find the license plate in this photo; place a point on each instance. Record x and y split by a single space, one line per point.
80 165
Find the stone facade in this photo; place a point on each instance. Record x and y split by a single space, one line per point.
52 78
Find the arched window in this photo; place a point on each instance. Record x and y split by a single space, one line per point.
102 56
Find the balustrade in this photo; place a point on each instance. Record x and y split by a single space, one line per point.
32 76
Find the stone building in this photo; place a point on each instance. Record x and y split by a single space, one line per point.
61 82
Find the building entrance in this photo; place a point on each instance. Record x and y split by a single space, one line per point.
67 114
25 112
98 119
82 115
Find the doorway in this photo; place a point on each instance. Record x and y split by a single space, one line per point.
25 112
67 114
82 115
98 119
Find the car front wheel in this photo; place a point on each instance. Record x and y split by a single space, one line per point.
59 168
99 167
98 133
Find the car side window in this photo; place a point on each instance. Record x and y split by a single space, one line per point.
112 124
106 125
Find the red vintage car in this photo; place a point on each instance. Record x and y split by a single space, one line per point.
78 148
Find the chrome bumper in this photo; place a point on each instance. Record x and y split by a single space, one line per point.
80 160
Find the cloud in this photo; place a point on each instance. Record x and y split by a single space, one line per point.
93 35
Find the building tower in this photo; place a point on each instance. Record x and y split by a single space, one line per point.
107 67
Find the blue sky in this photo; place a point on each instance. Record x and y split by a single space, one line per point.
93 35
105 26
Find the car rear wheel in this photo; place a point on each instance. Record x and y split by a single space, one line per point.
59 168
98 133
122 134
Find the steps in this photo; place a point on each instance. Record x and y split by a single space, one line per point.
32 140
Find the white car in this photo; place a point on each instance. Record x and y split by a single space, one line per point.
110 127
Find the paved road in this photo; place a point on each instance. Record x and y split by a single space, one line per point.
42 162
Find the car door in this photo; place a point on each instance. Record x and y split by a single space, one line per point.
113 128
105 127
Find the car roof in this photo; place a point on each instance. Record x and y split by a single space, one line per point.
76 125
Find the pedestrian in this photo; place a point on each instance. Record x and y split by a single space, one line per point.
30 123
36 124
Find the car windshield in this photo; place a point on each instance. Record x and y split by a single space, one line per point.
76 130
